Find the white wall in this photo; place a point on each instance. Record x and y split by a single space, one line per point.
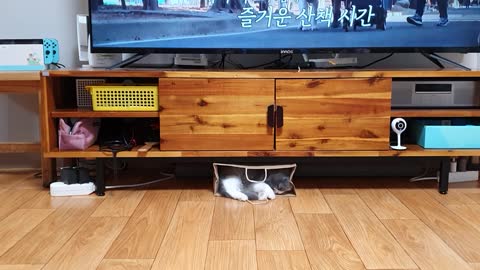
56 19
34 19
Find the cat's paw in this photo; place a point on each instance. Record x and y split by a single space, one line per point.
262 196
271 195
241 197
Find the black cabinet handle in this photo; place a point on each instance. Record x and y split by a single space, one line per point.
279 115
271 116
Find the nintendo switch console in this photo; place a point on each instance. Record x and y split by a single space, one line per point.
28 54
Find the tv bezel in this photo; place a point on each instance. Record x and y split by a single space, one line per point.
319 50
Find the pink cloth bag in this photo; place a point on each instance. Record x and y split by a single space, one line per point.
82 135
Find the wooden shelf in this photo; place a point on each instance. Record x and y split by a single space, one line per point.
412 151
264 74
20 76
435 113
19 147
88 113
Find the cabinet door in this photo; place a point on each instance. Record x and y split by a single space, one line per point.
215 114
334 114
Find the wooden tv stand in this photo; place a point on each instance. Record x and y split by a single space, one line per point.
267 113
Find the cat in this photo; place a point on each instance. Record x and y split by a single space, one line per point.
235 185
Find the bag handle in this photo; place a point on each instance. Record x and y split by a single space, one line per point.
253 181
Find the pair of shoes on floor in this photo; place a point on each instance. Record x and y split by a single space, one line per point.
417 20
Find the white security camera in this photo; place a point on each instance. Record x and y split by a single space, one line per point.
399 125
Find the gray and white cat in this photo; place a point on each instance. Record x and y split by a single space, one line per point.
235 185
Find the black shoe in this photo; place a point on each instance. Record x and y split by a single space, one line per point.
415 20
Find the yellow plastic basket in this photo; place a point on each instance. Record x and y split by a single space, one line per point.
124 97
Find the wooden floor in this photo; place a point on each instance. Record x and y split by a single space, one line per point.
332 223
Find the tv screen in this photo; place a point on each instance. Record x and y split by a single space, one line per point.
287 25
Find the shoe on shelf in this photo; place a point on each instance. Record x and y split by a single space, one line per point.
415 20
442 22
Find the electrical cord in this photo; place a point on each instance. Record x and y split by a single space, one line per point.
168 176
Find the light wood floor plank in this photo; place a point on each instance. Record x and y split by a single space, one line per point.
185 243
424 246
119 203
469 213
275 226
384 204
21 267
38 246
453 197
232 220
44 200
30 182
142 236
197 190
325 242
475 266
309 200
374 244
231 255
125 264
282 260
18 224
474 196
87 247
460 236
11 179
13 199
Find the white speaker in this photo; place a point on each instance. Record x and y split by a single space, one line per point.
99 60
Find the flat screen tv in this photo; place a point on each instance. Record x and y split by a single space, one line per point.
296 26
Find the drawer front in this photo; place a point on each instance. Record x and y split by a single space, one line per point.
215 114
334 114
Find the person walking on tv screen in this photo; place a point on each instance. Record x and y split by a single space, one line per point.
417 18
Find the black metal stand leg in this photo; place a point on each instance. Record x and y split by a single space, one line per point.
100 178
444 170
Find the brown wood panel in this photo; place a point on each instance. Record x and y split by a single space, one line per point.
215 114
435 113
460 236
87 247
232 220
231 255
125 264
424 246
19 147
13 199
19 86
412 151
186 241
83 112
275 226
215 73
384 204
347 114
325 242
374 244
20 76
309 200
21 267
282 260
65 220
215 142
18 224
142 236
469 213
119 203
216 124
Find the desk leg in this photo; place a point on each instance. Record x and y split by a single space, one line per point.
444 170
100 178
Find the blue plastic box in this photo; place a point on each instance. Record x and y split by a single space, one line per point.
459 135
